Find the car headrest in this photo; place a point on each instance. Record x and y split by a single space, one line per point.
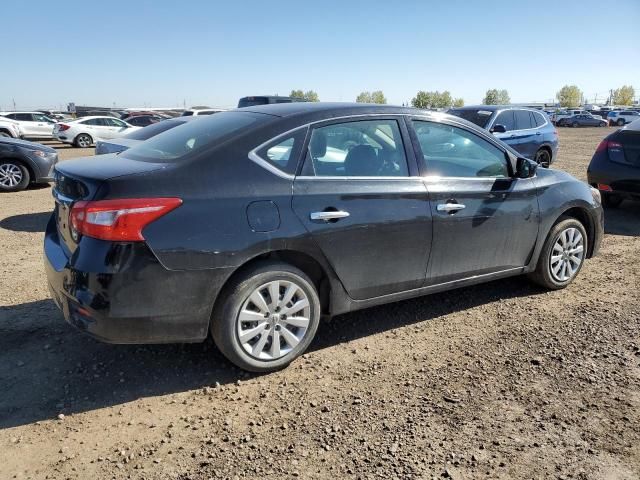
318 144
362 161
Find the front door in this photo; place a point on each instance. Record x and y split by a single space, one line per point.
361 200
484 220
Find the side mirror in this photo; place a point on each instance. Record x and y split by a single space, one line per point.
525 168
498 129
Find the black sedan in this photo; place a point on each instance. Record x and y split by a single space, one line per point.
23 163
582 120
615 166
252 224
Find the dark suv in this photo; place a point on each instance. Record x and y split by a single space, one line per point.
252 223
528 131
266 100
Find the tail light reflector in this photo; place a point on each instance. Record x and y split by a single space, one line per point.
62 127
120 220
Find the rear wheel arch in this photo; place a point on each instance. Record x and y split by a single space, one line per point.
6 131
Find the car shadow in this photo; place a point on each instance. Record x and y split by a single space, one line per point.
623 220
47 367
27 222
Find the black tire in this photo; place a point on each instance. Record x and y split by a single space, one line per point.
620 122
543 157
14 176
542 275
224 321
610 200
602 124
83 140
575 125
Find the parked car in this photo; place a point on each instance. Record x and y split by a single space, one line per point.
23 163
266 100
559 115
144 120
582 120
526 130
192 112
86 130
32 124
615 166
243 224
121 144
9 128
623 117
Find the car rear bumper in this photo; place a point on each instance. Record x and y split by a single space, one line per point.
120 293
620 179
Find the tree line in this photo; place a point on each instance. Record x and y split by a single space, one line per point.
568 96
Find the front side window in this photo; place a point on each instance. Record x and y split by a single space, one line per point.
454 152
367 148
507 119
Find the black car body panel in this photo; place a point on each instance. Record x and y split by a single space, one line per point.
616 163
237 208
40 165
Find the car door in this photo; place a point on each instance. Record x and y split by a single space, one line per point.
118 128
484 220
528 136
507 119
364 205
43 125
27 125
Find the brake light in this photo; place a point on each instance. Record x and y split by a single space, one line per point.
605 188
120 220
602 146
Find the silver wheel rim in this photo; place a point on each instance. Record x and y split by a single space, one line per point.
567 254
83 141
10 175
273 320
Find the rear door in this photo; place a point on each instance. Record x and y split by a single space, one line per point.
43 125
528 135
484 221
360 198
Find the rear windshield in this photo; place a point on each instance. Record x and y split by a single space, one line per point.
192 137
154 129
479 117
187 113
251 101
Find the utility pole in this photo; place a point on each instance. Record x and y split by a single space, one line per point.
14 104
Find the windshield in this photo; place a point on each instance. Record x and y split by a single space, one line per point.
479 117
194 136
154 129
251 101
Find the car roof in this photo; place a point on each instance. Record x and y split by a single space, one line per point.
89 117
494 108
633 126
20 111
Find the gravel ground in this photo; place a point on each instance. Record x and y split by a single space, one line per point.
502 380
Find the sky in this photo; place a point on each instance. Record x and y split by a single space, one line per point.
174 53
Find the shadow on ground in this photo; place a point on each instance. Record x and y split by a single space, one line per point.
27 222
624 220
47 367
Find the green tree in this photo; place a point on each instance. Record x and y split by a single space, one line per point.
371 97
569 96
432 99
309 95
623 95
496 97
458 102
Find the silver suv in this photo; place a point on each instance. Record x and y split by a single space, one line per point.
622 117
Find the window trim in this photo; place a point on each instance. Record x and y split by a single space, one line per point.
487 138
266 164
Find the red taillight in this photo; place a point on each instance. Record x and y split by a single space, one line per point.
604 188
602 146
120 220
62 127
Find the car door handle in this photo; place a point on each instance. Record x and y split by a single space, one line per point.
328 215
538 133
450 207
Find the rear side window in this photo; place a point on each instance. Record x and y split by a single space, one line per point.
450 151
195 136
523 120
538 118
507 119
154 129
367 148
283 152
93 121
187 113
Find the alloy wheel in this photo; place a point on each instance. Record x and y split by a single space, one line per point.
10 175
567 254
273 320
84 141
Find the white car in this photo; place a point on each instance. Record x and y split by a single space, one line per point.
85 131
192 112
9 128
32 124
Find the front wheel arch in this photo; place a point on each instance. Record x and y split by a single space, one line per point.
582 215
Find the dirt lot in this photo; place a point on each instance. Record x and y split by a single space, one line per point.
501 380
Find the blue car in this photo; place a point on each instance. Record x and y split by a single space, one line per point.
528 131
